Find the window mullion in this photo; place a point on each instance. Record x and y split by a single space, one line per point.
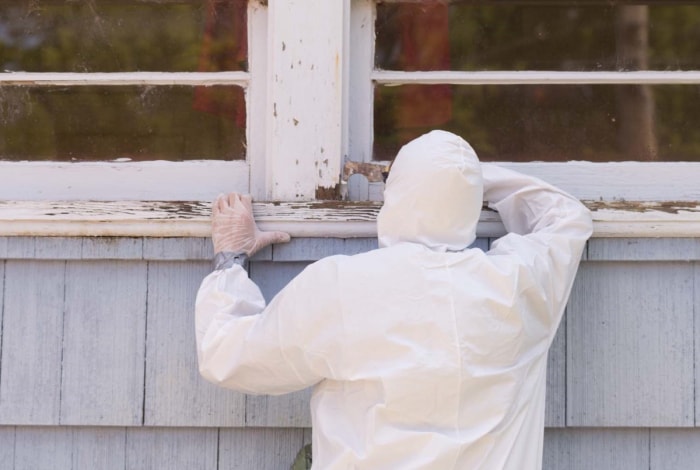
305 104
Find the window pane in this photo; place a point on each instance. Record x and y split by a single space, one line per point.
537 35
123 36
546 122
86 123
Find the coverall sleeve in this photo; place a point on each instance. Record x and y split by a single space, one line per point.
548 230
244 345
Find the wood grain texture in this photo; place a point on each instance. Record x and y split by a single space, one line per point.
30 374
599 449
176 395
178 248
7 447
20 247
355 246
112 248
630 345
101 448
287 411
171 448
271 277
308 249
674 449
3 247
104 343
58 248
696 304
43 448
644 249
259 449
555 407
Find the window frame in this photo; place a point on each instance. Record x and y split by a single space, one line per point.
310 107
148 180
626 187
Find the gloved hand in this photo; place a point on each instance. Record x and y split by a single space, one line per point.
233 226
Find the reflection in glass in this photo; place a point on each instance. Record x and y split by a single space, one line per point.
85 123
536 35
546 122
123 36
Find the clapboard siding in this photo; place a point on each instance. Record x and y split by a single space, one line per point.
176 395
104 343
630 345
98 363
599 449
30 370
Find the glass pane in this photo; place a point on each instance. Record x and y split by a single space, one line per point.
123 36
86 123
546 122
537 35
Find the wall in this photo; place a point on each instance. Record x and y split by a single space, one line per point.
98 365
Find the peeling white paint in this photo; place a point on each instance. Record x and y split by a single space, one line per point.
300 219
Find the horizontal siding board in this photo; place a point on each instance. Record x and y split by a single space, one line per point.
644 249
178 249
30 374
696 308
287 411
112 248
308 249
7 447
481 243
271 277
674 449
104 343
354 246
176 395
101 448
555 408
172 448
21 247
58 248
630 345
43 448
3 247
599 449
259 449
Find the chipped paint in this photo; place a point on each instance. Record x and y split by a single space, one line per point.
323 218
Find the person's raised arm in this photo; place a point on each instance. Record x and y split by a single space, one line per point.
243 344
548 229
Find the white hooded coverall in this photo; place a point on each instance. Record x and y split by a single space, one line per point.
423 354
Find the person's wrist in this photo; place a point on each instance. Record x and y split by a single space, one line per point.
227 259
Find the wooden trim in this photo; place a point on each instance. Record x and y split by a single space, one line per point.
390 77
124 78
157 180
302 219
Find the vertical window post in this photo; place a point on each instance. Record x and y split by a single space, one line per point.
306 93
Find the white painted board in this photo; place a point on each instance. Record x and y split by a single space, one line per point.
674 449
630 345
7 447
599 449
30 374
259 449
176 394
171 448
104 343
555 406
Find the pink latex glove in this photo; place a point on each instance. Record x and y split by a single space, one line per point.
233 227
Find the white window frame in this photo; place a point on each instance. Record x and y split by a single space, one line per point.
310 106
150 180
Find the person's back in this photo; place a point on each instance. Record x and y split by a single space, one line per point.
424 353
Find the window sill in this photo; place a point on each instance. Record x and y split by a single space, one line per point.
302 219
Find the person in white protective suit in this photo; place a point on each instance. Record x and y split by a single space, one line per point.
424 353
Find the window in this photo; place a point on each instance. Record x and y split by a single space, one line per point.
551 88
536 82
128 99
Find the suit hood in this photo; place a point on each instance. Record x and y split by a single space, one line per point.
433 195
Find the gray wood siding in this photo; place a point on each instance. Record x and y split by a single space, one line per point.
98 364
